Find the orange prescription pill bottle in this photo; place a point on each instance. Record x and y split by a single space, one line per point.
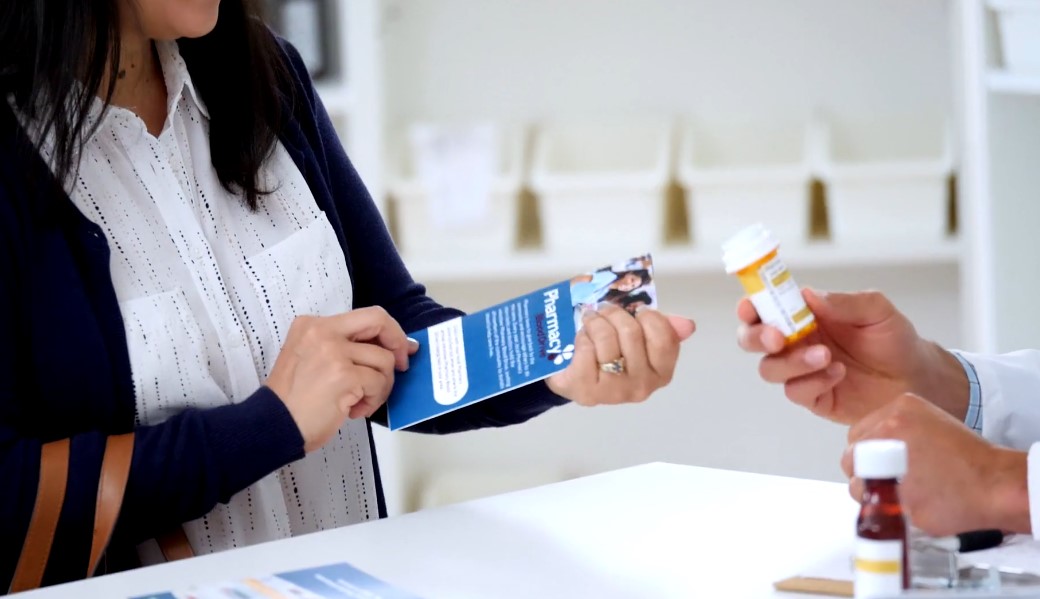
753 255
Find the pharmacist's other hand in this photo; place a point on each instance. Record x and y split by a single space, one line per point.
338 367
864 353
956 481
647 345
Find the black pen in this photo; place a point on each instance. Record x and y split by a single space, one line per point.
975 540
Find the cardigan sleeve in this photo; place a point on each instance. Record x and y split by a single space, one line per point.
380 277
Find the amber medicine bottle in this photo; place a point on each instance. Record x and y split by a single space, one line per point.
753 255
881 564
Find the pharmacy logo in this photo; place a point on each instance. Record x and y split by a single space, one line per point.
559 357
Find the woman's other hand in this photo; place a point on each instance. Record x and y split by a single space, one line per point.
338 367
620 358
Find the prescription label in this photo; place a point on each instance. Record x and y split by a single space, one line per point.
779 301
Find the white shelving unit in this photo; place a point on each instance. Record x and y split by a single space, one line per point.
1003 82
533 60
540 266
1001 137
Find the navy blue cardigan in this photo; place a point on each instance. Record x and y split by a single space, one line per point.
65 371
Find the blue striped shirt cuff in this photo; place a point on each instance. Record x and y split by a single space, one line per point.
974 417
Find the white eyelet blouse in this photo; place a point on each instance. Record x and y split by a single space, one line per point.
207 291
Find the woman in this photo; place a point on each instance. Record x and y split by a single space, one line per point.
591 288
188 254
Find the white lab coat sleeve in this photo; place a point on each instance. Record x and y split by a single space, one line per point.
1010 389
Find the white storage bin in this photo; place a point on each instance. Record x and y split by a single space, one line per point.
601 186
741 172
464 202
887 179
1019 25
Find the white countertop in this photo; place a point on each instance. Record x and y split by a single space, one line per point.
658 530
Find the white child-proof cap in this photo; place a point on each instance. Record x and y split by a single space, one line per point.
747 247
879 459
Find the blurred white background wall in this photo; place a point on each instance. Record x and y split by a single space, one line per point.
565 58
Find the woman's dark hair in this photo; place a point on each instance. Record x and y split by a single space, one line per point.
625 298
54 56
632 298
642 273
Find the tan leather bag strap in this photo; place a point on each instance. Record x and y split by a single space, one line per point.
175 545
115 471
50 496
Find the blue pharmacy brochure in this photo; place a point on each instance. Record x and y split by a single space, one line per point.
332 581
471 358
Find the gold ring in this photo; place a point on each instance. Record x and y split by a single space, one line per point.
614 367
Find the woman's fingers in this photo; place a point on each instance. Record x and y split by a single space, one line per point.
629 333
649 344
336 367
683 327
604 337
662 342
371 356
375 389
373 324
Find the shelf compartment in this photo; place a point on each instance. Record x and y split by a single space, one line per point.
446 204
601 184
733 171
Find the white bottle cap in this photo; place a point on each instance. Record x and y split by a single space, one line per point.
879 459
747 247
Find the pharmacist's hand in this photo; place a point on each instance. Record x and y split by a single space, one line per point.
863 353
956 481
337 367
647 344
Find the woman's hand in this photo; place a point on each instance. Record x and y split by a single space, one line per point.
337 367
620 358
